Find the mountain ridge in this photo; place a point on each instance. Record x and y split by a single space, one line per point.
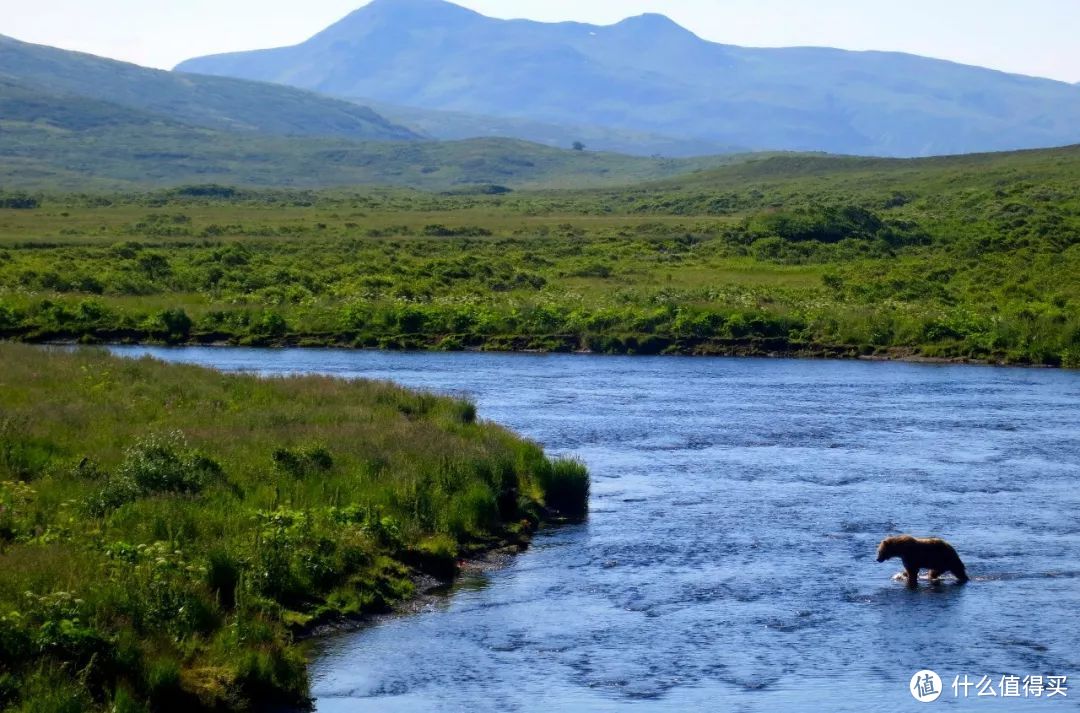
71 120
57 141
455 126
212 102
649 74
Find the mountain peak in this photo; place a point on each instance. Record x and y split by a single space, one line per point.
413 9
399 14
651 19
648 74
419 4
653 25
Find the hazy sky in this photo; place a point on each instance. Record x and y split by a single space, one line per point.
1038 37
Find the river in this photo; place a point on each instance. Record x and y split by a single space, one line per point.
728 563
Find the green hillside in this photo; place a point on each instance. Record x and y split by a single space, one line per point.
455 126
972 257
1044 179
51 141
212 102
70 121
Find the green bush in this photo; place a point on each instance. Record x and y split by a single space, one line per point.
565 484
18 201
156 465
165 464
302 462
826 224
173 325
473 512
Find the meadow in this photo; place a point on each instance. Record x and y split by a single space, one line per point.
964 258
168 534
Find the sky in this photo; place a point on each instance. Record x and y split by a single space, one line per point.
1035 37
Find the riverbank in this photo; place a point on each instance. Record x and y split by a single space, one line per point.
428 589
729 555
632 345
168 534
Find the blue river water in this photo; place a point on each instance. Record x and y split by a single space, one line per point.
728 563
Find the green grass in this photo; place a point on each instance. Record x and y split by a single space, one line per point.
167 531
974 257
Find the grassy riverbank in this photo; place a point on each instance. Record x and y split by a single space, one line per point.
166 531
972 257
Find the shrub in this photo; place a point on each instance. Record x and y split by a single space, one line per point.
474 512
165 464
173 324
463 412
163 684
19 201
829 224
223 577
116 492
8 318
437 555
209 190
566 487
155 465
302 462
271 325
439 230
20 456
266 676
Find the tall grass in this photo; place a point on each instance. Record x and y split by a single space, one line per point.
166 531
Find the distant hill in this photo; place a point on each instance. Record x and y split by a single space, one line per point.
647 74
74 121
894 181
212 102
59 141
453 125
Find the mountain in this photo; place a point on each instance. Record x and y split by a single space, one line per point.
212 102
59 141
648 74
455 125
74 121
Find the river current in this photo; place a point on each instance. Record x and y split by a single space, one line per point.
728 562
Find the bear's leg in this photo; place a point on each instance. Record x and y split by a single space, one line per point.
935 574
961 573
913 576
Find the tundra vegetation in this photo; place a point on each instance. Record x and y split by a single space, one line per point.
973 257
167 532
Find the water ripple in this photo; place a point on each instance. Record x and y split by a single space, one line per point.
729 560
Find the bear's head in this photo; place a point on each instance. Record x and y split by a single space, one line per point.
891 547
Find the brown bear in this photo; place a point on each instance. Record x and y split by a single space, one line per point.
933 554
